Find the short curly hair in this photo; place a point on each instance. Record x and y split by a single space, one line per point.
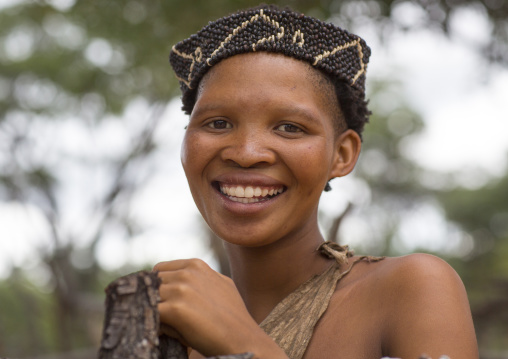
340 56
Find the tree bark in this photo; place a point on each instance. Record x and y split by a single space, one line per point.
132 321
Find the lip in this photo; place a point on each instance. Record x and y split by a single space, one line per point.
246 179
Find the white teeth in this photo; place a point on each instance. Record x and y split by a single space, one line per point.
249 192
244 200
240 192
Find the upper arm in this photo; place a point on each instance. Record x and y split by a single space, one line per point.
429 312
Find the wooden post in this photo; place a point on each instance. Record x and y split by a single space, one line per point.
132 321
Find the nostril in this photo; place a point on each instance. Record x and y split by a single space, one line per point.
248 156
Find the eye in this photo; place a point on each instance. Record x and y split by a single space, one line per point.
287 127
219 124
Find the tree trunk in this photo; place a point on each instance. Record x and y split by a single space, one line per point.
131 322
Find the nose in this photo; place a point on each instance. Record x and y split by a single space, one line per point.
249 149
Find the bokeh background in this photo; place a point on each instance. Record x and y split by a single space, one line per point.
90 129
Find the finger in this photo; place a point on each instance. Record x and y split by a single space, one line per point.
174 289
175 276
180 264
170 265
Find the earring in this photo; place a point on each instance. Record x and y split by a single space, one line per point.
328 188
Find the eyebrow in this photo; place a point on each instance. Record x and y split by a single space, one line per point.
300 111
205 108
281 110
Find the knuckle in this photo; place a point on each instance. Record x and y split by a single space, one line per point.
181 290
175 291
183 276
171 311
198 264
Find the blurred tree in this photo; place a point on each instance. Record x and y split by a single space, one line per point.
392 179
81 63
483 214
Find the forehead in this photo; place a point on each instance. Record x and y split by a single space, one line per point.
240 67
268 73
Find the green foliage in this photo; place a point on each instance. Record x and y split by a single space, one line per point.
483 213
389 126
28 321
480 210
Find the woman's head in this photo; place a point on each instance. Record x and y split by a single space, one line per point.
260 146
342 57
276 103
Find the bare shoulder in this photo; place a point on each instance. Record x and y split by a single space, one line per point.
413 274
419 272
426 308
399 307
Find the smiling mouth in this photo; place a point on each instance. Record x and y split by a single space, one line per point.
249 194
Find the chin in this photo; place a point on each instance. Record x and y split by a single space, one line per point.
245 239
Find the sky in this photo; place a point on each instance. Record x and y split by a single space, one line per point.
461 99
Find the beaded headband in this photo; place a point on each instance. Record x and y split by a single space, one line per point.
341 55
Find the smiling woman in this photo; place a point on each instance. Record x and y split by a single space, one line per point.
258 125
277 106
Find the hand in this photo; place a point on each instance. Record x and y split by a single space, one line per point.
203 309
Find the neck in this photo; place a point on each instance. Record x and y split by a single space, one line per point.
266 275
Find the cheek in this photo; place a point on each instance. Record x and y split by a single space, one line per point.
195 153
186 151
312 165
194 158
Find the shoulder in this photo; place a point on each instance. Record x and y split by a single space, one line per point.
419 284
419 272
426 310
407 275
408 285
399 307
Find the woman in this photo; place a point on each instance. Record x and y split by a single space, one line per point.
277 105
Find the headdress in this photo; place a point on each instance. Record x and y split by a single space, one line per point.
336 52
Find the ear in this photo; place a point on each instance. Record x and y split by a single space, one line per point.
347 150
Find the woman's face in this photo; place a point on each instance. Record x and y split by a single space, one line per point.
259 148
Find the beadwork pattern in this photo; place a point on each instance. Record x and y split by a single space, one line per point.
335 51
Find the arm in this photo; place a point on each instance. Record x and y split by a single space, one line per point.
204 310
430 312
